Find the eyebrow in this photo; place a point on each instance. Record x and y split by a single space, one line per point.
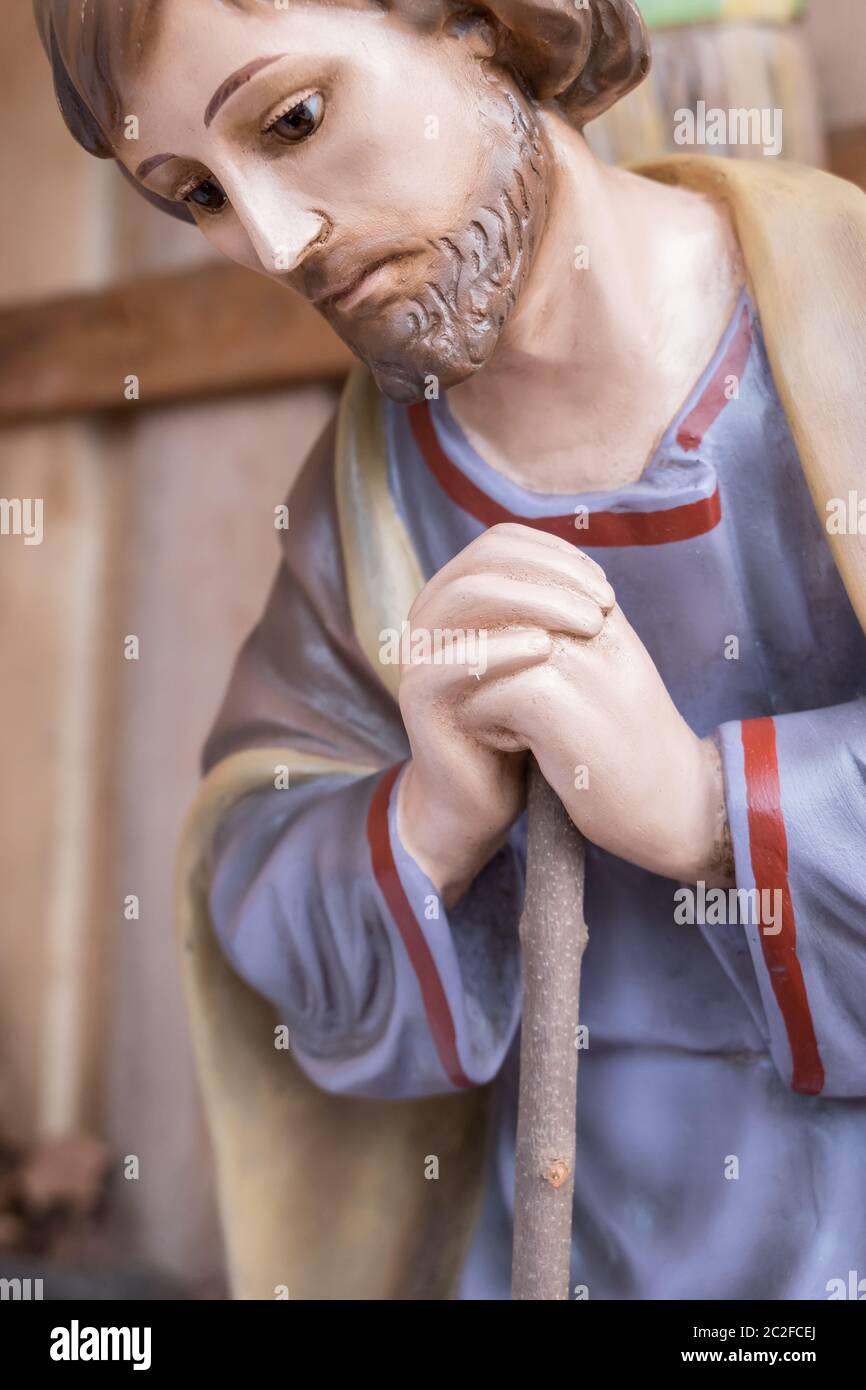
235 82
147 166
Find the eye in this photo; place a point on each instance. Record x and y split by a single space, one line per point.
207 195
301 121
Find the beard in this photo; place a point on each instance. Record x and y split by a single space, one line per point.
442 332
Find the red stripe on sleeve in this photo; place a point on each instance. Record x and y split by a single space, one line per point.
433 994
769 847
598 529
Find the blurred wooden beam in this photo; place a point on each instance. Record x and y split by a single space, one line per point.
201 333
847 154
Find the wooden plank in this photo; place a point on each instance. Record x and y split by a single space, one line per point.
847 154
212 331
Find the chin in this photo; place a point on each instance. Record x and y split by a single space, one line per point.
407 384
410 362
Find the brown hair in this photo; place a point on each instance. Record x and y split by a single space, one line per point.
583 58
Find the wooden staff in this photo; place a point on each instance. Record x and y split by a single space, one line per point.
553 938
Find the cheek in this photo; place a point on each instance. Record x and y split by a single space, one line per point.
228 236
415 166
442 171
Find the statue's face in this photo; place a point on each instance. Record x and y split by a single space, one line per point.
392 177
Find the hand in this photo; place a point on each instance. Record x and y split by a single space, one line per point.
633 776
511 589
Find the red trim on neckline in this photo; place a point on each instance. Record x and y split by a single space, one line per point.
597 530
605 529
769 847
714 396
387 876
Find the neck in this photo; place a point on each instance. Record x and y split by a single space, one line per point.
631 288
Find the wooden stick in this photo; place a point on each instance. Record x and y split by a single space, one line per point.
553 937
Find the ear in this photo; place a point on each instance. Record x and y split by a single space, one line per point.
476 29
585 54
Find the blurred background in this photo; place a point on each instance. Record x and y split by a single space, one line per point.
158 498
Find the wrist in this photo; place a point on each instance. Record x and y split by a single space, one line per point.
434 831
700 850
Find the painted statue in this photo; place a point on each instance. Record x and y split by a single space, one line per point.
593 494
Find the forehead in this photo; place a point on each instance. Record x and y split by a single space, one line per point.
203 23
110 50
204 40
203 50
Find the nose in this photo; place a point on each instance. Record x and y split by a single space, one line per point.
282 231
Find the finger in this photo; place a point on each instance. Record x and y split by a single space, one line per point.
497 656
516 534
493 600
498 705
520 556
553 569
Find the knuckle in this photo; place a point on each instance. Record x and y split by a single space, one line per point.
508 530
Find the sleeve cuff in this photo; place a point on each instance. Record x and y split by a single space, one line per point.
760 840
470 997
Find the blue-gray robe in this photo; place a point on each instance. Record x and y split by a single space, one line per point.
722 1093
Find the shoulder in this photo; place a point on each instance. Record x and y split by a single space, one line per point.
775 192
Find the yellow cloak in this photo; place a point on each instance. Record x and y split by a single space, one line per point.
326 1197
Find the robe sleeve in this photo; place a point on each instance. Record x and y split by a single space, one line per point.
796 796
320 908
313 898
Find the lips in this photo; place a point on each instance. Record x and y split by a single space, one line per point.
351 292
